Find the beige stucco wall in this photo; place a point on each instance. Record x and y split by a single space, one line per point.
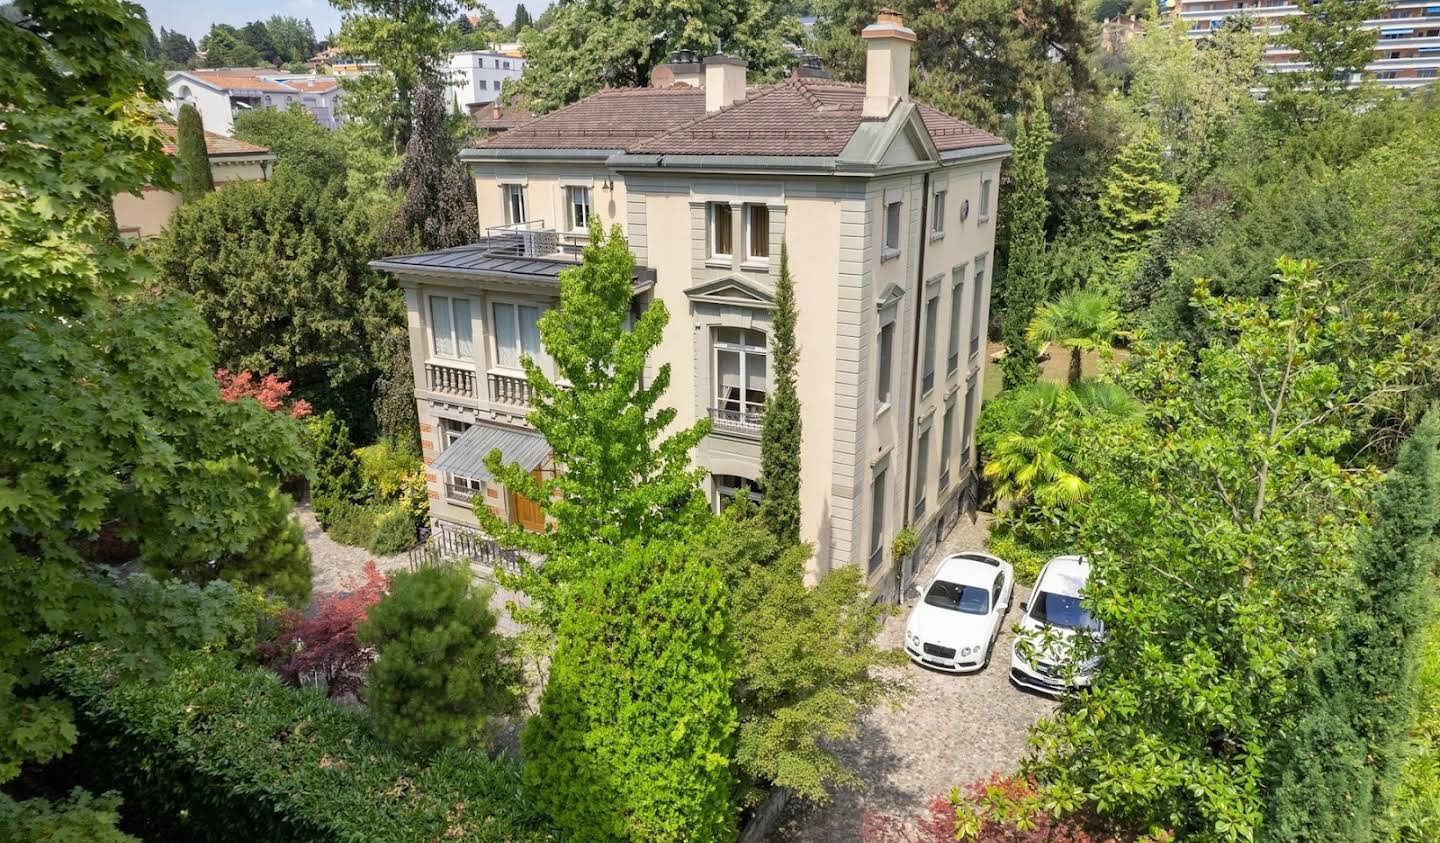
147 215
545 192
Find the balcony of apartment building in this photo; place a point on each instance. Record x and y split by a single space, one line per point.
475 312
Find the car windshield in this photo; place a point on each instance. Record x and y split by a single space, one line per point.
1063 611
958 598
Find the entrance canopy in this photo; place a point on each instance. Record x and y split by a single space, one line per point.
466 456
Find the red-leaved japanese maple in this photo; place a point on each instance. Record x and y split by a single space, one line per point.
270 391
318 646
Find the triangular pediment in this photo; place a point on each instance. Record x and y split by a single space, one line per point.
892 294
735 290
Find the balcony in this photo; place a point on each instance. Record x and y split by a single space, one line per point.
450 380
508 391
532 239
742 422
459 490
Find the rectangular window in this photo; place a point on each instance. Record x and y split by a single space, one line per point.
968 420
885 359
977 310
922 461
514 204
757 233
741 375
458 488
730 486
494 85
937 215
892 229
450 327
721 223
932 327
947 441
517 334
877 522
577 207
985 185
957 305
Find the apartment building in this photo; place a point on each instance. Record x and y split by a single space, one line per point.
1407 35
477 77
221 95
887 209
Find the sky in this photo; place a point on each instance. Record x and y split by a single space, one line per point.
194 18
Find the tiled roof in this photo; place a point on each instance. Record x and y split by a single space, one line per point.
231 78
214 144
615 118
318 85
800 117
482 114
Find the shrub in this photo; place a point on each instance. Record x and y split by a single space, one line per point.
321 645
904 543
441 670
352 523
382 529
1026 561
215 753
337 471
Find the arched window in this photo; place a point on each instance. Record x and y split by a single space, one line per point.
185 95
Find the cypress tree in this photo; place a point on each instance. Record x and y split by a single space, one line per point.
1334 772
194 161
337 470
1025 274
780 433
1136 199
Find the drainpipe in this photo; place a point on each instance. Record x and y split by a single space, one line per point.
914 374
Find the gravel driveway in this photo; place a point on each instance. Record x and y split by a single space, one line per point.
949 731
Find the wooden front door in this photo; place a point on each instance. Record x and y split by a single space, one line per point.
526 512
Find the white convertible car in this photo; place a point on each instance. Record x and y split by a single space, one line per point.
954 624
1052 618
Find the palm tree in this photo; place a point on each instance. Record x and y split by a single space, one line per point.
1024 467
1079 320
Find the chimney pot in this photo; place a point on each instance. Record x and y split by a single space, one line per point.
724 82
684 68
887 63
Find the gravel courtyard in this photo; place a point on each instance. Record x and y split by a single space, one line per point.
949 731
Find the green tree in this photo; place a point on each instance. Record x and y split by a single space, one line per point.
592 44
780 432
1079 320
280 270
175 49
223 47
395 414
338 480
806 663
294 39
635 731
257 35
193 159
1335 771
442 671
1219 536
620 476
410 40
117 445
1137 199
438 210
1026 281
976 60
522 19
276 559
1330 38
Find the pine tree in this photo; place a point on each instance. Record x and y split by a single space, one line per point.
1136 199
338 480
1026 280
194 161
780 435
442 671
635 732
522 20
1334 773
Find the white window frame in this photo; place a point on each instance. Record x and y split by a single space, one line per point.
447 437
719 492
937 213
891 245
957 319
987 184
717 399
977 309
748 221
885 374
449 304
540 358
712 230
931 338
509 193
573 192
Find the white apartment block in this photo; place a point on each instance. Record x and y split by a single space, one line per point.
1407 35
887 208
477 77
221 95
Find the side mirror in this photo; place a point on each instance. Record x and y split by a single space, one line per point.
916 592
1024 606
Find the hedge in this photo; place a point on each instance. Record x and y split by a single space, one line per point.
212 752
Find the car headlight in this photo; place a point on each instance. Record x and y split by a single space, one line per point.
965 651
912 638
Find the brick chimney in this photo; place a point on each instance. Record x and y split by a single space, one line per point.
887 63
724 82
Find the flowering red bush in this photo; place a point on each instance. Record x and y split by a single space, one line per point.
319 646
270 391
998 809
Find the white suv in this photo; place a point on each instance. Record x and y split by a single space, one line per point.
1052 618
